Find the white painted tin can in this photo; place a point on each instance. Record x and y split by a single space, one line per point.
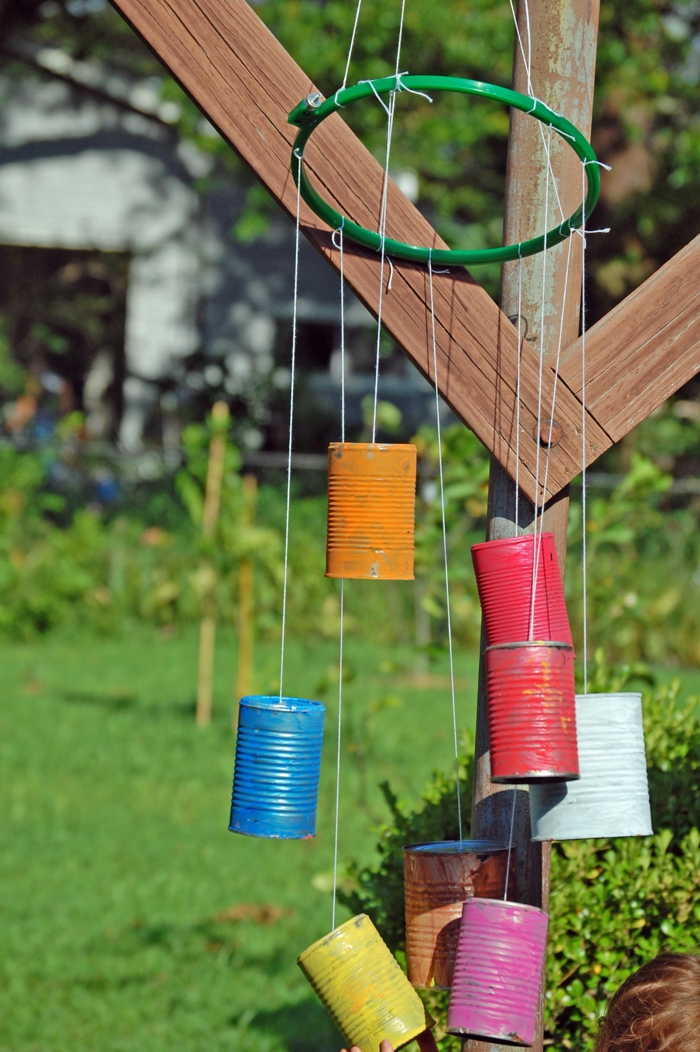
611 798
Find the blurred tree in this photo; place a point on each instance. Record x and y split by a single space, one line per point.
646 125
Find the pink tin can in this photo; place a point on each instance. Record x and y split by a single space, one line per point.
498 968
506 578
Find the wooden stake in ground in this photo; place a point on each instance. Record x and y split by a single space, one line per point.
210 518
563 77
244 670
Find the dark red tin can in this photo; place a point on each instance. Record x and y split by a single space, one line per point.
506 579
532 712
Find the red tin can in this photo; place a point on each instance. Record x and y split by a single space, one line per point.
506 579
532 712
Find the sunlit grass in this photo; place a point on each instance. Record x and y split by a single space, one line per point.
129 917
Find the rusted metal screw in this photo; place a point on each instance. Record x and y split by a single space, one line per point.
550 433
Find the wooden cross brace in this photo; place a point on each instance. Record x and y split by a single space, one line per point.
644 350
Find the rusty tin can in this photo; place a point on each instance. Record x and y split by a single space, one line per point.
496 985
506 575
371 511
532 712
363 988
437 880
611 798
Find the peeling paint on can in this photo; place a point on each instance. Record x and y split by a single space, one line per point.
500 954
371 511
437 879
363 988
611 798
531 712
505 577
278 764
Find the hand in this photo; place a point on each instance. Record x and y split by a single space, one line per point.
426 1043
386 1046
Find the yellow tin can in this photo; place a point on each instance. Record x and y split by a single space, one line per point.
363 988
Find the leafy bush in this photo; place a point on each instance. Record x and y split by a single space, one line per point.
614 904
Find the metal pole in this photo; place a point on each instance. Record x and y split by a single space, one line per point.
561 47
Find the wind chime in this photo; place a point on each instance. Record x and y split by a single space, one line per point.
581 756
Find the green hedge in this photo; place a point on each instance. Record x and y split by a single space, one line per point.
614 904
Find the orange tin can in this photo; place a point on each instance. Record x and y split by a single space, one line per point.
438 878
371 511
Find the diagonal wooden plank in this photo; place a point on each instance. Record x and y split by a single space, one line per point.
246 83
644 349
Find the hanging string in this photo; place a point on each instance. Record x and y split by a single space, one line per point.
291 425
352 45
584 553
510 843
382 219
526 61
337 764
340 246
556 375
444 543
535 559
517 392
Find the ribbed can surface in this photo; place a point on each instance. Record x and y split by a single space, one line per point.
531 712
496 982
612 796
505 578
363 988
437 879
371 511
278 764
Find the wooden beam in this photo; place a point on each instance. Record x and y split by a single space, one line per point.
246 83
644 349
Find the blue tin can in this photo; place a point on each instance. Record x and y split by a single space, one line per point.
278 765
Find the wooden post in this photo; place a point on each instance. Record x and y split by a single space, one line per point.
562 69
244 669
210 518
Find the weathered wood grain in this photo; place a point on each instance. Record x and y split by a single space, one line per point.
644 349
246 83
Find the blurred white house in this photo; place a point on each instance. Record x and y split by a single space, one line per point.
89 161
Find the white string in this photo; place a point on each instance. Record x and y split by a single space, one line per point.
291 423
444 543
510 843
382 220
531 91
342 583
556 376
337 764
382 234
517 392
584 553
535 559
352 44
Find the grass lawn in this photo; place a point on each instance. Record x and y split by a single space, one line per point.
130 918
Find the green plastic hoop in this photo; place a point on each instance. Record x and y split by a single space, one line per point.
309 113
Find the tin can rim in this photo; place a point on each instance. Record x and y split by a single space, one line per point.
536 777
325 939
610 694
457 847
554 643
285 703
502 904
509 540
333 446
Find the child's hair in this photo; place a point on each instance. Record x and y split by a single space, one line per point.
657 1009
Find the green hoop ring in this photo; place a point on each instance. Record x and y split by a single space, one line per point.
307 115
